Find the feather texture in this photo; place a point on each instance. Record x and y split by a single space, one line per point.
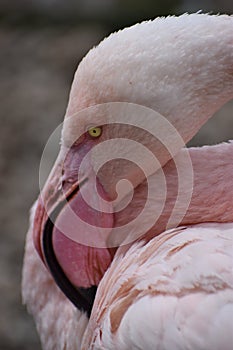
175 292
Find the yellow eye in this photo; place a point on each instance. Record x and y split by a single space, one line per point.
95 132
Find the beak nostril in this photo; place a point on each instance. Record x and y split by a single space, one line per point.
67 180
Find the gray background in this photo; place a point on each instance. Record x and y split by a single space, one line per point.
41 43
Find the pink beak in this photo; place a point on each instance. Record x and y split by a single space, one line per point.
63 190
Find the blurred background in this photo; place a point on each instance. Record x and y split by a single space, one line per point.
41 44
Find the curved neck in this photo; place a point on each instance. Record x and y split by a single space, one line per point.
212 199
212 193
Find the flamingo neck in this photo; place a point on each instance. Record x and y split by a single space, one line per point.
212 193
213 185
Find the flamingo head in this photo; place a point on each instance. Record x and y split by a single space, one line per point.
153 84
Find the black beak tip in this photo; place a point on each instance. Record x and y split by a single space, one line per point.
89 295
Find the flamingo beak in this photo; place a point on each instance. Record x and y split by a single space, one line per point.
44 224
82 298
75 263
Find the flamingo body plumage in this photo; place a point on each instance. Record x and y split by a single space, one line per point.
165 294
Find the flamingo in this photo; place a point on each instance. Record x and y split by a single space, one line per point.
171 286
